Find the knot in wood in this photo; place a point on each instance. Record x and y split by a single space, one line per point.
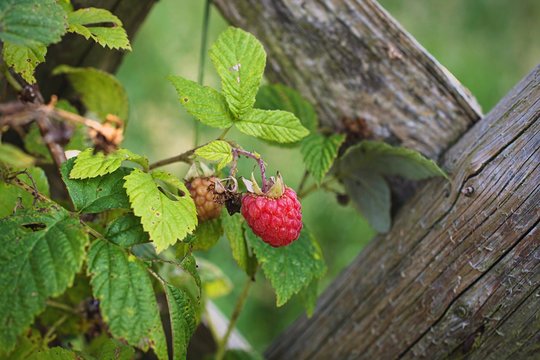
468 191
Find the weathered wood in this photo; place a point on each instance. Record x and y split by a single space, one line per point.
459 273
75 50
356 64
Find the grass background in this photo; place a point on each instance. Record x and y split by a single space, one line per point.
487 44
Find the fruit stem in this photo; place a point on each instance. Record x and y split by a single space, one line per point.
222 346
255 157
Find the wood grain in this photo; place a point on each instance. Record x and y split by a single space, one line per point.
459 273
356 64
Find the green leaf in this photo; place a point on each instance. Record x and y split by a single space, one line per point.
104 347
101 26
232 226
204 103
237 354
10 194
183 319
214 281
319 153
27 22
41 252
207 234
281 97
167 217
55 353
189 264
273 125
127 231
370 194
363 167
90 165
218 150
127 300
34 144
382 158
27 344
308 297
24 58
96 194
101 93
289 268
11 156
239 59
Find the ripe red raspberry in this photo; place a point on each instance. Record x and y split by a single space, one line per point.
201 190
277 221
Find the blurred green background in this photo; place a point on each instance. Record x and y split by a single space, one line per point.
487 44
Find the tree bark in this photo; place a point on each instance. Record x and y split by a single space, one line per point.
359 67
459 273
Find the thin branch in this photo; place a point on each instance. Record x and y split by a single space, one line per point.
303 182
260 161
222 346
61 306
184 157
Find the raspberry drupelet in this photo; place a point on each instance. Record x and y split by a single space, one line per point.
277 221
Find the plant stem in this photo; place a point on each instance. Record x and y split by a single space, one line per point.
184 157
202 60
315 187
259 160
61 306
222 346
49 335
222 136
303 182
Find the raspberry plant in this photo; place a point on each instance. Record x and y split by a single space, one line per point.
99 261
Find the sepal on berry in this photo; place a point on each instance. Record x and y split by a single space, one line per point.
275 190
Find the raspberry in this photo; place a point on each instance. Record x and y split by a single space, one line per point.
277 221
201 190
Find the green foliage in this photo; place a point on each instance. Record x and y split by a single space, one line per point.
165 215
207 234
204 103
239 59
55 353
103 347
363 168
31 22
219 151
41 253
10 194
127 301
273 125
237 354
12 157
90 165
214 281
234 231
308 296
387 160
101 93
24 58
319 152
370 194
281 97
126 231
290 268
96 194
27 27
183 319
101 26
